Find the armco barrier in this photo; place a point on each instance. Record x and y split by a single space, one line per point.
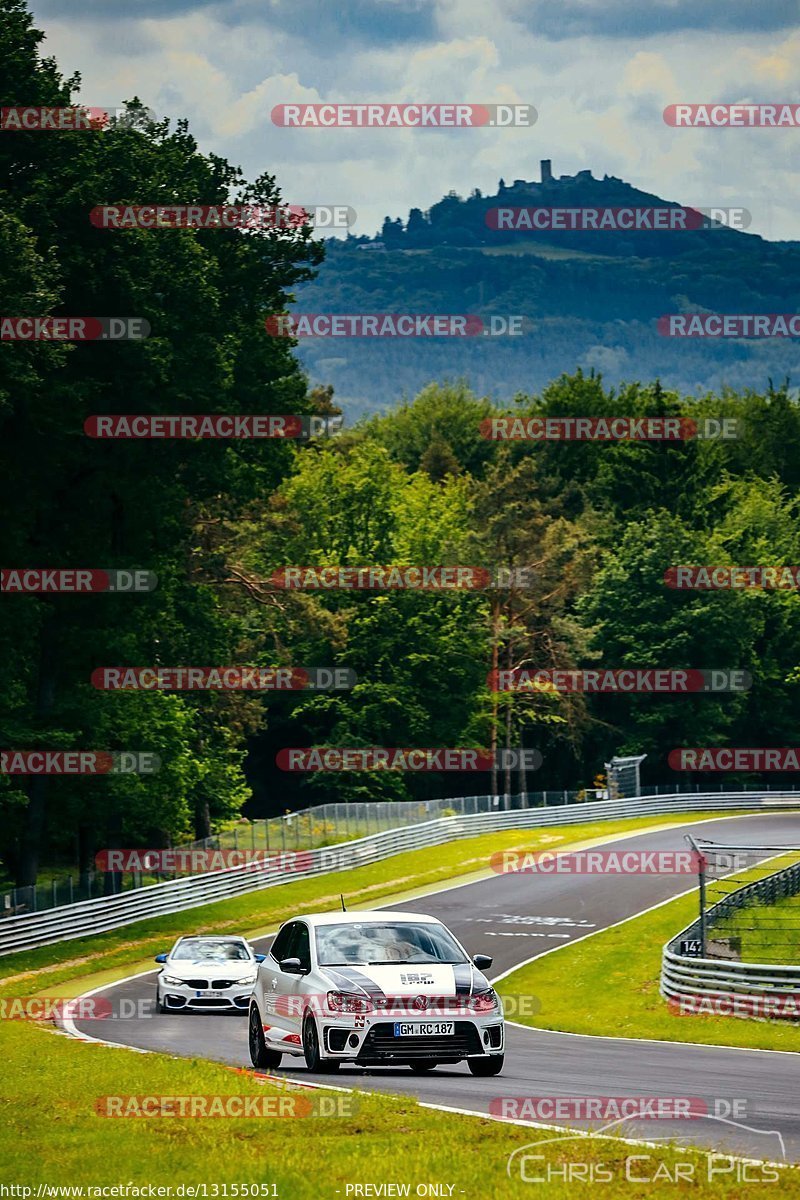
734 988
111 912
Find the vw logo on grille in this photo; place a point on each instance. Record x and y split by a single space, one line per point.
420 1002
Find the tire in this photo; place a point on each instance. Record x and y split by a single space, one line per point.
482 1067
423 1065
311 1050
260 1056
160 1008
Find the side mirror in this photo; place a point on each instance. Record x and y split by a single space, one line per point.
160 958
482 961
261 958
292 966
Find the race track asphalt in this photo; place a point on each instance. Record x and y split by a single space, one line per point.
515 917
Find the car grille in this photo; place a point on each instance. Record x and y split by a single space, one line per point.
404 1006
215 984
209 1002
381 1043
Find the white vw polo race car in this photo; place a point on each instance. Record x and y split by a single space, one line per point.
375 989
207 974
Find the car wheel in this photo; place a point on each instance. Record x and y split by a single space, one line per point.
260 1055
422 1065
482 1067
311 1050
160 1008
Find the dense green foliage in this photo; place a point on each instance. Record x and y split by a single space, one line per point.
71 501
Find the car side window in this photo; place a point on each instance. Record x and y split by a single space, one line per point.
301 947
280 947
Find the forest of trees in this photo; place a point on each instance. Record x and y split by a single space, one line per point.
598 524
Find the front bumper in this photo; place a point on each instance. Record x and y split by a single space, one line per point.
377 1042
182 998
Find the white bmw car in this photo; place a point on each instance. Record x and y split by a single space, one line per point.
374 988
207 974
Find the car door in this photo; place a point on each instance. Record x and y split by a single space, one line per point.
268 971
283 989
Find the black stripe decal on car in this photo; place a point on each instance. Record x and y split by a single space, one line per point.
462 973
346 978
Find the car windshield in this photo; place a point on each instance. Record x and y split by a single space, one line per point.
372 944
197 950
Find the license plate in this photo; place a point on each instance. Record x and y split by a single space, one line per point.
207 992
428 1029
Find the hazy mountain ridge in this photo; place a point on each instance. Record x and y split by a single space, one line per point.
591 298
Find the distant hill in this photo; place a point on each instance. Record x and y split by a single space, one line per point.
590 298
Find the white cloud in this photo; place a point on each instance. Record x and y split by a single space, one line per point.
599 99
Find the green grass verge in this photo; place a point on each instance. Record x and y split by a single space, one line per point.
51 1133
262 911
607 984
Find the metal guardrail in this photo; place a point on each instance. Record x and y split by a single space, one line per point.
735 988
311 829
112 912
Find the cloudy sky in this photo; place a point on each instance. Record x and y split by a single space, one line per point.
599 73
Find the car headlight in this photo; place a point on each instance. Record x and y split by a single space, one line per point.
247 979
484 1002
348 1002
172 981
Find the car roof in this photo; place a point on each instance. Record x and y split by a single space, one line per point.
362 918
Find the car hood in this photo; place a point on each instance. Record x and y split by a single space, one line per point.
405 979
210 970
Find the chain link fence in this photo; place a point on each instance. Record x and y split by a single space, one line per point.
312 829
